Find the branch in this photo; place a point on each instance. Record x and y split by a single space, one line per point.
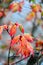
20 60
34 26
9 53
9 48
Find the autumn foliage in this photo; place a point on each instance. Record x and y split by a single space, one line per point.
35 8
22 41
11 28
16 6
39 43
30 16
24 47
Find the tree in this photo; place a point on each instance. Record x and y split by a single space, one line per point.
21 44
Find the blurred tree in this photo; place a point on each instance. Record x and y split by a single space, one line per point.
41 1
0 1
32 0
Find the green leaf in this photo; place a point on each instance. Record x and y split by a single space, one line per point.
9 1
41 13
3 47
32 0
20 27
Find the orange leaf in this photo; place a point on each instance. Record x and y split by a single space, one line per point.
0 37
30 16
13 30
28 37
25 47
15 40
39 42
1 29
12 5
36 8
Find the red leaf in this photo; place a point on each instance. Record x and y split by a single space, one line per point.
11 6
21 28
1 14
28 37
19 8
36 44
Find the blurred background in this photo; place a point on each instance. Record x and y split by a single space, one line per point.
19 17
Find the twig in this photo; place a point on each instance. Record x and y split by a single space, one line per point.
9 48
34 26
20 60
9 55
